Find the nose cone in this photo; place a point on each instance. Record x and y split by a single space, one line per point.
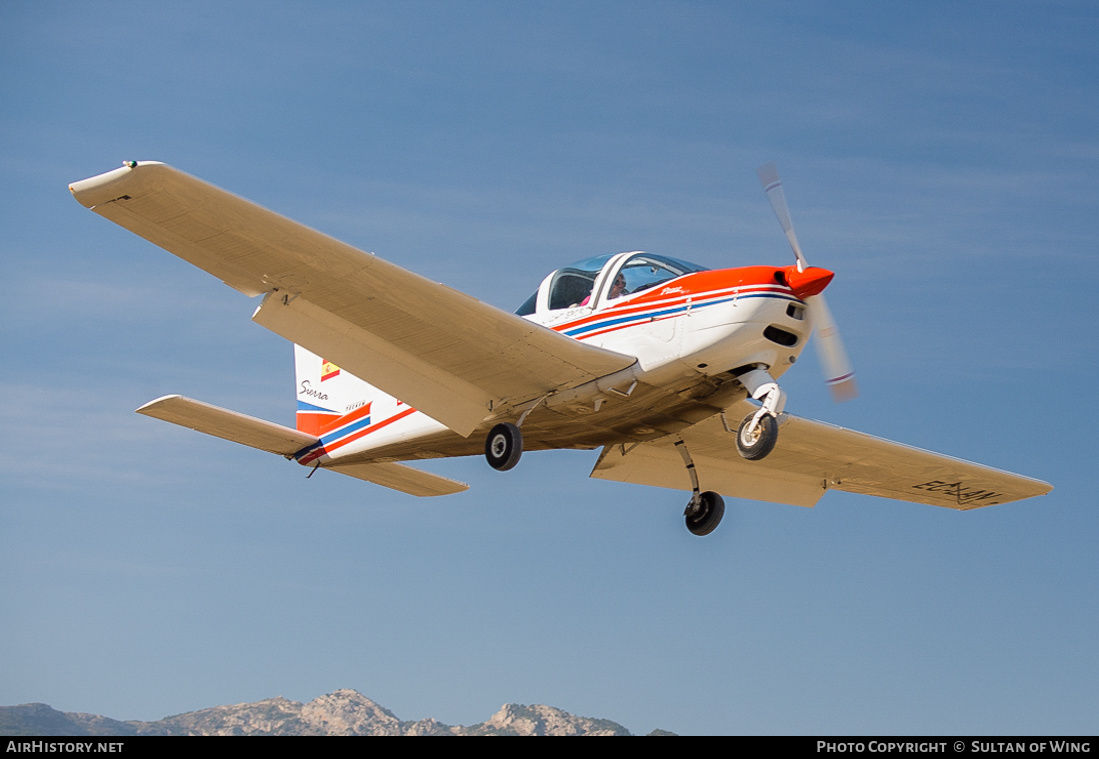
809 282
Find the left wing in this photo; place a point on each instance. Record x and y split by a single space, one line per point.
810 458
447 354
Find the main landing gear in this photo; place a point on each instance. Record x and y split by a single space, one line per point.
504 446
705 510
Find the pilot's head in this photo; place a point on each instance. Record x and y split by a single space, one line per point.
618 289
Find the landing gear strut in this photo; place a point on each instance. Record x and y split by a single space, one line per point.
504 446
705 510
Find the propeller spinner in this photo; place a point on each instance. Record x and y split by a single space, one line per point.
838 372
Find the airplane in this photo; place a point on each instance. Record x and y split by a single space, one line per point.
670 368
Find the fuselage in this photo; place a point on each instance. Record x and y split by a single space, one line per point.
693 331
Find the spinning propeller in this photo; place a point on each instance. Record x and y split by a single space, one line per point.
808 282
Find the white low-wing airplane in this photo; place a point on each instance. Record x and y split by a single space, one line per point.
670 368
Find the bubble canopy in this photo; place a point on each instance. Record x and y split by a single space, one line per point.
598 280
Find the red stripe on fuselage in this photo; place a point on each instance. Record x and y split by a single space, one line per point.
317 453
318 423
698 286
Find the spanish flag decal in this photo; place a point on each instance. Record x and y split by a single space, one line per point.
328 370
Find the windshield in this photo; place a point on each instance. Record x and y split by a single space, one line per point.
644 270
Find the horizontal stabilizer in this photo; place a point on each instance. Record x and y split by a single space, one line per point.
228 425
274 438
403 478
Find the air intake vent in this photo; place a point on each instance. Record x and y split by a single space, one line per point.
780 336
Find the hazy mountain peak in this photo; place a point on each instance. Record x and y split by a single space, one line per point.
538 719
348 712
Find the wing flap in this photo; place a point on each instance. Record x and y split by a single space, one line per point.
228 425
448 399
506 358
660 465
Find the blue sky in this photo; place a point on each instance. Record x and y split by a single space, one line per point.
942 158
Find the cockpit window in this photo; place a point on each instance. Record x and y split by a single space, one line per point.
645 270
571 285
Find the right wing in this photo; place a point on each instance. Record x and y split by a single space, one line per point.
449 355
810 458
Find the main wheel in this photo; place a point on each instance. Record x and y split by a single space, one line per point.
708 515
504 446
756 444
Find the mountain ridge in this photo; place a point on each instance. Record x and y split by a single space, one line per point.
342 712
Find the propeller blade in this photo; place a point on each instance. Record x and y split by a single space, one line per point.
838 372
772 185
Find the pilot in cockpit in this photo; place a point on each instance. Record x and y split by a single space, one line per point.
618 289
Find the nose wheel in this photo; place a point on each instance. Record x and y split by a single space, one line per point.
758 433
757 436
504 446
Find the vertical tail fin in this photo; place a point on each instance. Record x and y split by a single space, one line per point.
325 392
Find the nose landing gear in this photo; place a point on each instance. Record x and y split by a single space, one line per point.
757 436
758 433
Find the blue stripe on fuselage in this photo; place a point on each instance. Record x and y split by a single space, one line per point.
649 315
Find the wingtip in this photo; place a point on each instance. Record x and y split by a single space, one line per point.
156 402
104 187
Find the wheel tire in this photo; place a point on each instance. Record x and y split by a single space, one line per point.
708 517
756 446
504 446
